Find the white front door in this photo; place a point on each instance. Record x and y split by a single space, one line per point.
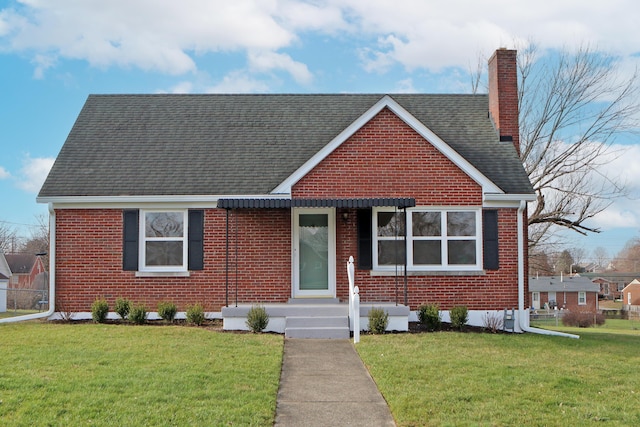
535 296
314 253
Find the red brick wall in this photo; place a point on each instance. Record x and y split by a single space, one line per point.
409 167
89 262
571 301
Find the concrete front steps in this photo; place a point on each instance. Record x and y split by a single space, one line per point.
318 327
314 318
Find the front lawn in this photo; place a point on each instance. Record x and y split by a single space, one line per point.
445 378
90 374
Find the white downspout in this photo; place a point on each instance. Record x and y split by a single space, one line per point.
523 315
52 275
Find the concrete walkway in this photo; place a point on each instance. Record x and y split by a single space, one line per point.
324 383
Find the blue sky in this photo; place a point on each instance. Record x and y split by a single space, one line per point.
53 54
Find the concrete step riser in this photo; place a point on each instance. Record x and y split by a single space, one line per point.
317 333
310 322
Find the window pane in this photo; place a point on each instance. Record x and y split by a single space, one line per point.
163 254
426 224
461 223
164 224
390 252
427 252
390 224
462 252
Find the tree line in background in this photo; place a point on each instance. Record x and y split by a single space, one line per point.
579 260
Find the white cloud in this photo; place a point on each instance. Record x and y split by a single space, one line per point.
238 82
151 35
33 173
4 174
266 61
169 36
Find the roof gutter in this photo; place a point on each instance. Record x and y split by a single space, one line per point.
52 275
523 316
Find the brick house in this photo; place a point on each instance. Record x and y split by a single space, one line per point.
26 271
232 200
631 293
574 293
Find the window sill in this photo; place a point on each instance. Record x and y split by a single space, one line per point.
429 273
162 274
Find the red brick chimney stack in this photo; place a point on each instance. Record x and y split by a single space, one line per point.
503 95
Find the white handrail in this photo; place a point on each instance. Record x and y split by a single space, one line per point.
354 301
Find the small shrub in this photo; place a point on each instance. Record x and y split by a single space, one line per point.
429 316
257 318
459 316
167 310
378 320
195 315
66 315
582 319
138 314
99 310
492 322
122 307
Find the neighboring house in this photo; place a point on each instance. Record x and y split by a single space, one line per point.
28 284
611 283
574 293
5 277
27 271
631 293
232 200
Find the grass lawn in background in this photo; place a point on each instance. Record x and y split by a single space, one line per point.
96 374
446 378
14 313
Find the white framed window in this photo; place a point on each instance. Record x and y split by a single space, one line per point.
436 239
163 240
582 298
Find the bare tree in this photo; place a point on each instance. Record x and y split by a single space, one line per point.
628 259
572 108
8 238
600 257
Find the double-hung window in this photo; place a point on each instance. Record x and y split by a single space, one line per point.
431 239
582 298
163 237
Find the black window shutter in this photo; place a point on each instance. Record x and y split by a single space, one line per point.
365 261
196 240
490 236
130 224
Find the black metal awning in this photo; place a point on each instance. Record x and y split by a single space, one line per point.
279 203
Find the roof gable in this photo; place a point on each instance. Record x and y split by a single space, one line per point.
388 102
20 263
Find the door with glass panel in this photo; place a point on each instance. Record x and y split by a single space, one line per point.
314 253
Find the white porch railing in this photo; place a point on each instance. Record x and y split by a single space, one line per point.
354 302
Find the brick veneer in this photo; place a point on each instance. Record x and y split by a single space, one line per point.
385 158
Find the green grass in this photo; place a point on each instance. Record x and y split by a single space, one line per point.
453 379
611 326
90 374
14 313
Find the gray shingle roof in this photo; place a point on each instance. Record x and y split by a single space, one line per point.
562 284
246 144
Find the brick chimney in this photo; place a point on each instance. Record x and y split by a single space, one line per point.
503 95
